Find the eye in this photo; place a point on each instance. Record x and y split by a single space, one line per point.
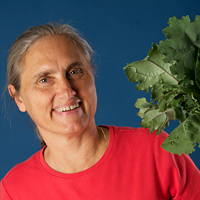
44 80
75 73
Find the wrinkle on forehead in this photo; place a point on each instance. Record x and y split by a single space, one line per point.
40 49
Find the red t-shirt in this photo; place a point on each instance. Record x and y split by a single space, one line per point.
134 167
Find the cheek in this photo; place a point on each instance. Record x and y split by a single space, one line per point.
92 95
91 87
87 92
36 100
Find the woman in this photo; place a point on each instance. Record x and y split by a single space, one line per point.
50 76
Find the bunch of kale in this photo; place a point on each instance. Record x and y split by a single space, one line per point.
172 71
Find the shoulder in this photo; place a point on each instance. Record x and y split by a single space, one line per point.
22 170
138 135
131 130
136 141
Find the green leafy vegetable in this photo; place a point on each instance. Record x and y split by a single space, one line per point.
172 72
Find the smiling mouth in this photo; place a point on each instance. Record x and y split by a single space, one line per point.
68 108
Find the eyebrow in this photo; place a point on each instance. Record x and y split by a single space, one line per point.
43 74
50 71
74 65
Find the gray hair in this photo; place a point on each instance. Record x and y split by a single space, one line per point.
23 43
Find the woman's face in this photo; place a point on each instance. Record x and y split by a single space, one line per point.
57 86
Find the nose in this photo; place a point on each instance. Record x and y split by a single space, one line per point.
64 89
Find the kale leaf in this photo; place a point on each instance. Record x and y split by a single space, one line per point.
172 72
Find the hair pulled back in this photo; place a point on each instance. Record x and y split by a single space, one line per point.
29 37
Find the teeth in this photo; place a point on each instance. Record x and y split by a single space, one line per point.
72 107
67 108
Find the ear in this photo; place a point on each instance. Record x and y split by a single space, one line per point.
17 98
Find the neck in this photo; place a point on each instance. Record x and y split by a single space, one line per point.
75 154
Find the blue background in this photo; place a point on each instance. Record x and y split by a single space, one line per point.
120 31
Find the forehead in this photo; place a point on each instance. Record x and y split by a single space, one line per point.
51 48
48 43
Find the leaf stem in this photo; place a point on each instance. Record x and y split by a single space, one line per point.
164 71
